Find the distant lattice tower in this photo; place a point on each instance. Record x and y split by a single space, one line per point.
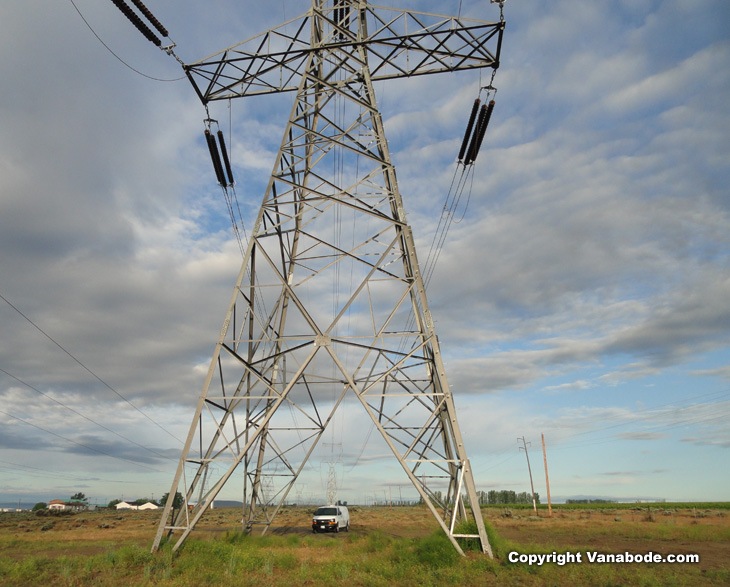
330 299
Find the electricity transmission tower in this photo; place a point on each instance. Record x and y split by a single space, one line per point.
330 300
334 459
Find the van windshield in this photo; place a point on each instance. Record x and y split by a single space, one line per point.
326 512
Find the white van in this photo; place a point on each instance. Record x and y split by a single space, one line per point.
331 518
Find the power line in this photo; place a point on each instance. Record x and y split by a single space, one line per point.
88 370
82 415
86 22
483 469
45 473
688 422
78 443
701 419
653 412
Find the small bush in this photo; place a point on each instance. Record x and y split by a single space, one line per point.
377 542
468 544
131 557
286 561
436 551
250 561
500 546
236 536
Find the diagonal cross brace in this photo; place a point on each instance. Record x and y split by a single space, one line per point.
272 62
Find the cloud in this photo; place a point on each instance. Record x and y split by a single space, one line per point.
722 372
636 473
573 386
717 438
592 256
641 436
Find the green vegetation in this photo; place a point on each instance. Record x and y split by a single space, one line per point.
611 505
659 505
109 549
506 497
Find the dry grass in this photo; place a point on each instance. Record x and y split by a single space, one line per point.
399 546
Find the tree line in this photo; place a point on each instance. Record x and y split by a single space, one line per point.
493 497
506 497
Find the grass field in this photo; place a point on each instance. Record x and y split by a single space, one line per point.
385 546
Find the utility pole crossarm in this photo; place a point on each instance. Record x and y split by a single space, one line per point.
400 43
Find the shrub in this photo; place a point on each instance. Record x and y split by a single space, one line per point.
377 541
499 546
133 556
436 551
468 544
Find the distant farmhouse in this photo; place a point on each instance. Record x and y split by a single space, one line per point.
73 505
123 505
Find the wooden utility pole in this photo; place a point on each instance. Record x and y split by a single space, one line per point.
547 479
529 470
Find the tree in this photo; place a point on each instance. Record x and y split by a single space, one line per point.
78 497
509 497
39 506
113 503
177 502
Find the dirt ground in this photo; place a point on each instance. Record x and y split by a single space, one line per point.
635 531
640 530
625 531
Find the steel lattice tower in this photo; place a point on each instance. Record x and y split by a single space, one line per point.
330 300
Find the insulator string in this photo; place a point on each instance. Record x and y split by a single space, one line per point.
137 22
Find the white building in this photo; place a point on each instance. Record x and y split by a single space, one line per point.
123 505
59 504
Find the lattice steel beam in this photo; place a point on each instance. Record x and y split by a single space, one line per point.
396 43
284 360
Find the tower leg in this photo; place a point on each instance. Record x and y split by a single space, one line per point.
329 301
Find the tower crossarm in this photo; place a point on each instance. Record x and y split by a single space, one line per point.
399 43
331 225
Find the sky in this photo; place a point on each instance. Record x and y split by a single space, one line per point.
584 295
